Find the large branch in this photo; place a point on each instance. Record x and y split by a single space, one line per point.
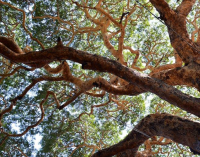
187 75
176 24
102 64
185 7
166 125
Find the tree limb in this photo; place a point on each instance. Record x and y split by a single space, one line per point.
173 127
102 64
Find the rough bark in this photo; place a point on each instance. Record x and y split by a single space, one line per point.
176 24
102 64
160 83
176 128
187 75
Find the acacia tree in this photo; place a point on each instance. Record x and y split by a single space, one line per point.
78 72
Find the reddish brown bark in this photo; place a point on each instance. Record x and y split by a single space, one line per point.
176 24
160 83
187 75
166 125
102 64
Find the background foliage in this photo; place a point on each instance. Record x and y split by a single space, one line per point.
82 126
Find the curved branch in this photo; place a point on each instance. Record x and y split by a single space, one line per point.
70 100
173 127
102 64
34 82
6 111
102 84
20 151
178 63
24 22
17 69
31 126
28 128
56 70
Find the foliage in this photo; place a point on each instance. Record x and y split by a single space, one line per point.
88 123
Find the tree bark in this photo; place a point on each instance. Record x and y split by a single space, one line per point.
161 83
173 127
102 64
175 20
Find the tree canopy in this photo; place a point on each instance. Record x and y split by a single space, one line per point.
82 74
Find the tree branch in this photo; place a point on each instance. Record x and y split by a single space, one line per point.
185 7
173 127
102 64
176 24
187 75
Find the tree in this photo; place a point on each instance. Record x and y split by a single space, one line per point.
78 73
